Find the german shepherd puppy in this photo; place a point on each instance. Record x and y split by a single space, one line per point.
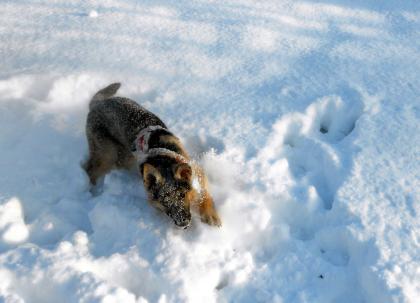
124 135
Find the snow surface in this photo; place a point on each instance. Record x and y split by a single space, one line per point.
305 114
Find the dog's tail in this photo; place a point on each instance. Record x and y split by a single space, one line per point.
104 93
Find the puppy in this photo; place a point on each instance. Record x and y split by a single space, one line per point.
123 135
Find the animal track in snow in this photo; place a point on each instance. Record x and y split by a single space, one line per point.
304 164
302 149
336 119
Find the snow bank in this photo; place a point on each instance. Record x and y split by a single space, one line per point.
303 114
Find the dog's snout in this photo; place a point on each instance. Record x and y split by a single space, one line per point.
184 224
181 215
183 221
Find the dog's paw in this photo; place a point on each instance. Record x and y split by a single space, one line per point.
210 217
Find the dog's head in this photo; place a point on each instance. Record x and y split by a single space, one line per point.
168 184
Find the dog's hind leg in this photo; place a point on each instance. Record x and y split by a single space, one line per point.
96 168
125 160
103 155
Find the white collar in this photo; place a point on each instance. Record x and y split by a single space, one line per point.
141 156
141 143
141 146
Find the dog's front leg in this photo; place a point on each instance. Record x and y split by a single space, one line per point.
206 208
207 211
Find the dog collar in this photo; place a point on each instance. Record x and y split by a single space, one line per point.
141 144
141 147
142 156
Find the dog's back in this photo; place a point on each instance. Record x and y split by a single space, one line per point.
111 127
116 117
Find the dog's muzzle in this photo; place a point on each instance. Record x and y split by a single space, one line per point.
181 217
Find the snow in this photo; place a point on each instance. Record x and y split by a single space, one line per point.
304 114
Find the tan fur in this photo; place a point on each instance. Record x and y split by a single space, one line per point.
207 212
206 208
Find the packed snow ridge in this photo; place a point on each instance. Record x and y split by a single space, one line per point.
304 114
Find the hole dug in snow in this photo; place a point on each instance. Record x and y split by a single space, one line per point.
336 119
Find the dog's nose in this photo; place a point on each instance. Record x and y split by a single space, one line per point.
183 224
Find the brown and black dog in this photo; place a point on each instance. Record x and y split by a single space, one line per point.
123 134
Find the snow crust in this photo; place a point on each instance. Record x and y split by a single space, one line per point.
305 116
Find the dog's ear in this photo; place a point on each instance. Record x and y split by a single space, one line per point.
182 172
151 175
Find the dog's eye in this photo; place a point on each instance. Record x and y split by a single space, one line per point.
155 195
151 181
184 186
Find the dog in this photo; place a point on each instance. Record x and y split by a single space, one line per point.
122 134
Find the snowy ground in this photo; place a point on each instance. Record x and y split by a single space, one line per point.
304 114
